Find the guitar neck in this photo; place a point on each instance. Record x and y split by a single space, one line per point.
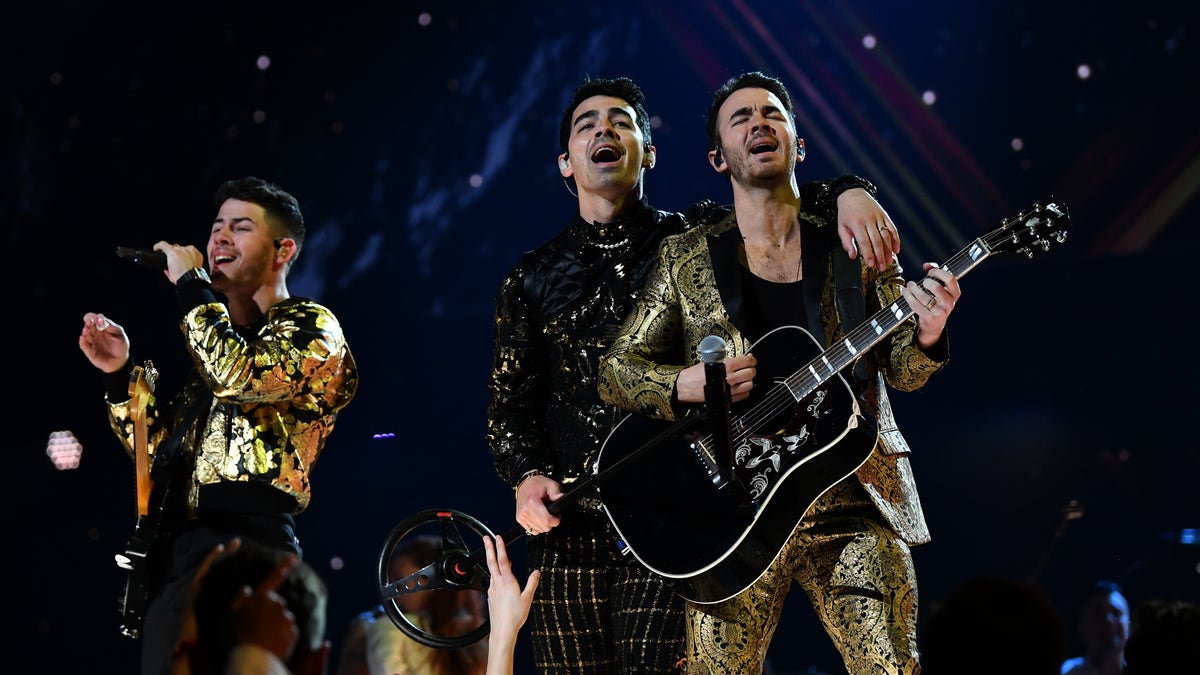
873 330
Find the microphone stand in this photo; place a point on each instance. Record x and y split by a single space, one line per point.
1073 510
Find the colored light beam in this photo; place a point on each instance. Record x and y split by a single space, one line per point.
1155 206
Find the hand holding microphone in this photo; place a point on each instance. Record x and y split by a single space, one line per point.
173 259
739 373
712 353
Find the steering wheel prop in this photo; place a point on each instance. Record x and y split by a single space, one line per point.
457 570
454 570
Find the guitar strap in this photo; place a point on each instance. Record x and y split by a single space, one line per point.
851 302
822 249
164 456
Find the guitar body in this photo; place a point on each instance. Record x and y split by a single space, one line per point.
159 510
137 560
717 539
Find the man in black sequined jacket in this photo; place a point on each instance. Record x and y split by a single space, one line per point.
557 311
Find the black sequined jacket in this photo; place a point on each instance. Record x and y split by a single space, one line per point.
556 314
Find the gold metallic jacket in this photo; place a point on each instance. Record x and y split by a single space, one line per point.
277 387
682 303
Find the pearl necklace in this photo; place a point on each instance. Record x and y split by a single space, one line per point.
609 247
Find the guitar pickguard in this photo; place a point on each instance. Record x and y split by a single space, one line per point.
761 459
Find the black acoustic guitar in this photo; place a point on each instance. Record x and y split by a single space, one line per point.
683 518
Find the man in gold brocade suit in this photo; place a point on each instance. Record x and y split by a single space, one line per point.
270 374
739 274
596 609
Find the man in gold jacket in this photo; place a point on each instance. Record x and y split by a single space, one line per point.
739 274
270 373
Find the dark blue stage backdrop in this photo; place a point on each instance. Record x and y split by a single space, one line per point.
421 139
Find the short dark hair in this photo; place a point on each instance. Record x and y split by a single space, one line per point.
618 87
751 80
282 209
303 592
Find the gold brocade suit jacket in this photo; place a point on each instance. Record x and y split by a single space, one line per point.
694 292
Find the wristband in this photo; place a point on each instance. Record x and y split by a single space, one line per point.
525 476
196 273
848 182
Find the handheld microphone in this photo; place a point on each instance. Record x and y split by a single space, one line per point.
155 260
712 351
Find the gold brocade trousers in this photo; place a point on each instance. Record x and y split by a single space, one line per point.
856 571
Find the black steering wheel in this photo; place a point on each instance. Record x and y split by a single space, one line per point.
455 569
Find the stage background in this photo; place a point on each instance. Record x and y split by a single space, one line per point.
421 142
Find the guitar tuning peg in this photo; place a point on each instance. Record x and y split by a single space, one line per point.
1044 243
1061 236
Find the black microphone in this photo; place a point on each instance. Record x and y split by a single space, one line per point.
155 260
712 352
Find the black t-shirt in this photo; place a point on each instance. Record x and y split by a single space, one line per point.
770 305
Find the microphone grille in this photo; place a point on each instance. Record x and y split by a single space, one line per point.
712 349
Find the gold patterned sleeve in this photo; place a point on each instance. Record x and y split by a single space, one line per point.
905 366
298 354
637 374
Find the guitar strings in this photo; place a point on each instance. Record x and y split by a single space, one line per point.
780 397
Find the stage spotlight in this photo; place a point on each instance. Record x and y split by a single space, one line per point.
64 450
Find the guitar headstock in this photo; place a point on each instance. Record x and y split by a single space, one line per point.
1039 226
142 381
